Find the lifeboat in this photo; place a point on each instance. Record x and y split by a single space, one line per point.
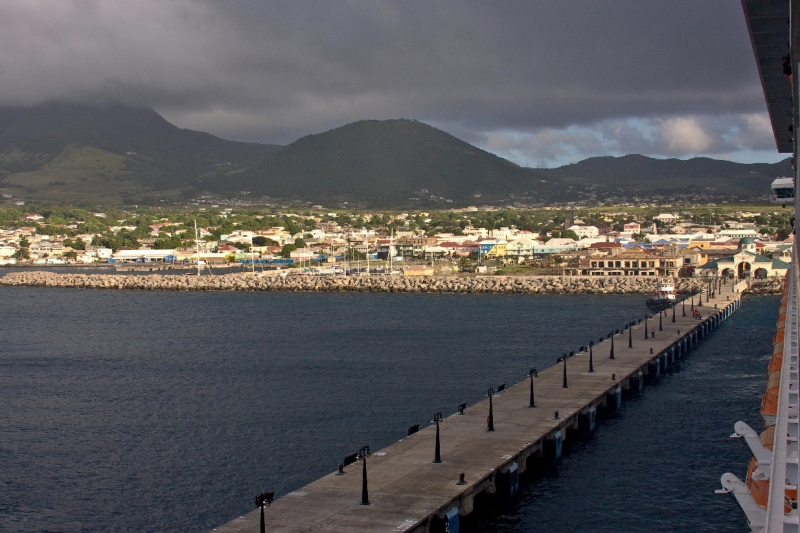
776 362
769 401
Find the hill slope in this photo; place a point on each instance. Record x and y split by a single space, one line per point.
385 163
637 173
382 162
151 154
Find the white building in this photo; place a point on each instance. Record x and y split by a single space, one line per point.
585 232
738 233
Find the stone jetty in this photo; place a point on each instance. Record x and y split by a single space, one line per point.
297 283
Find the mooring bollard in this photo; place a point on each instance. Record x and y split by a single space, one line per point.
556 416
461 479
613 377
341 470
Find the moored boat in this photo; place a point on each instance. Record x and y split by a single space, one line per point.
665 298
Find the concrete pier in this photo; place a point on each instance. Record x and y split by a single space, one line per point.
409 492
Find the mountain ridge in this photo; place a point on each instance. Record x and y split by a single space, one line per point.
124 154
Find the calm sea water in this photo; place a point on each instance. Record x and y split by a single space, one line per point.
164 411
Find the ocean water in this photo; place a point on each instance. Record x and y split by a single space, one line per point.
166 411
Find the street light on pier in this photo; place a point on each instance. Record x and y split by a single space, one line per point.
533 373
490 418
683 304
673 313
591 362
564 358
630 335
611 354
660 325
437 457
362 454
646 334
264 499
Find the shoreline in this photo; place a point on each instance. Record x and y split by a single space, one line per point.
387 284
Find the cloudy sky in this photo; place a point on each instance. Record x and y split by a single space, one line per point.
542 83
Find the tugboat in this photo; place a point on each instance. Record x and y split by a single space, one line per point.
665 298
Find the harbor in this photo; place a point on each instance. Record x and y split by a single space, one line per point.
407 491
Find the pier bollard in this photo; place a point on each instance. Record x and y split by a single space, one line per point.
555 417
651 350
341 470
461 479
613 377
461 408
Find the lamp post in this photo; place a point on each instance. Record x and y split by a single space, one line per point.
630 336
692 302
646 334
673 313
564 358
660 316
362 454
437 456
683 304
611 355
535 373
490 418
591 362
264 499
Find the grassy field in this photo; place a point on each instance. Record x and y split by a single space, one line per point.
78 174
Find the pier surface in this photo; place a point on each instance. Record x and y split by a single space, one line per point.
408 492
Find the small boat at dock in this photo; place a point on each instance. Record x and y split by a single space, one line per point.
665 298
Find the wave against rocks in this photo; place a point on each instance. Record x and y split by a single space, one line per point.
244 282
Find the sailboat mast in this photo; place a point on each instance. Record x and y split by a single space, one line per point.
197 243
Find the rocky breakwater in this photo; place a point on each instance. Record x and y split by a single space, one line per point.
296 283
772 286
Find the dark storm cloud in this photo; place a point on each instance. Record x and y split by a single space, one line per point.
272 71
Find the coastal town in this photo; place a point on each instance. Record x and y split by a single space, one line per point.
697 242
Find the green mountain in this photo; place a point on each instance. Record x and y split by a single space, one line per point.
71 151
632 174
122 154
386 163
380 162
